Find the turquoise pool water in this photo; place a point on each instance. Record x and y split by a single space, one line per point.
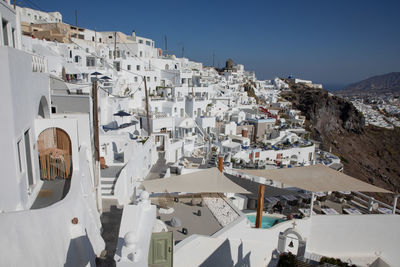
266 221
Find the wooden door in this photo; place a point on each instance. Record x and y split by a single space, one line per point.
55 154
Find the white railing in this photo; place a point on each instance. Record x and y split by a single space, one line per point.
369 202
38 63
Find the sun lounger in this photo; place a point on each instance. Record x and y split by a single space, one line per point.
320 194
352 211
384 210
305 196
329 211
272 200
306 212
289 197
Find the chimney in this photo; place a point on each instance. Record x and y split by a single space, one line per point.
133 34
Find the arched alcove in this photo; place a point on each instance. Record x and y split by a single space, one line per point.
291 241
43 110
55 154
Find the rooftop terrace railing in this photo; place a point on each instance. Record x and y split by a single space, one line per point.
370 201
38 63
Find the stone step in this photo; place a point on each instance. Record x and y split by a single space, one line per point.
108 179
107 186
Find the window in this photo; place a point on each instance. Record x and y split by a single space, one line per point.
148 79
92 38
110 37
13 37
19 149
175 109
117 65
155 79
137 67
129 67
135 79
90 61
100 40
110 54
148 43
141 53
140 41
5 32
53 110
28 157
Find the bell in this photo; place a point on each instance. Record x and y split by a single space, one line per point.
291 244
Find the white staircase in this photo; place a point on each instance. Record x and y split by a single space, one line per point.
108 178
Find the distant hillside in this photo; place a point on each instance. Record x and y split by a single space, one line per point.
381 84
368 153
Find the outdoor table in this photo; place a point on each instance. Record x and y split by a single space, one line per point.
329 211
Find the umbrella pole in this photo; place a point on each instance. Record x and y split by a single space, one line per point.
260 205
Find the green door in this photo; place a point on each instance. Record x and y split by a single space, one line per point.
161 250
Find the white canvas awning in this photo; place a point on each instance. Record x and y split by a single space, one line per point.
204 181
316 178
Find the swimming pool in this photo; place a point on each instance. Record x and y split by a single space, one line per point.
266 221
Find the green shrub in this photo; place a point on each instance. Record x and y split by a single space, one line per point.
334 261
287 260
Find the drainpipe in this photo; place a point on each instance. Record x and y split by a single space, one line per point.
311 203
396 196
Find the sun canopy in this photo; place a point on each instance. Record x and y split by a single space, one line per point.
204 181
316 178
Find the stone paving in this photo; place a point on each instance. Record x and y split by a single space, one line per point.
51 192
110 221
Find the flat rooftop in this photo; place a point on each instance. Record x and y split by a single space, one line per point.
206 224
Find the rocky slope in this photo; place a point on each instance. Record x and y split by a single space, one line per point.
381 84
368 153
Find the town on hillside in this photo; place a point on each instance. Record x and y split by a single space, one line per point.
119 153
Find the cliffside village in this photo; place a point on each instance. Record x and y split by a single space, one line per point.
117 151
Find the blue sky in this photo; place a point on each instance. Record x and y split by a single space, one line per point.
334 42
